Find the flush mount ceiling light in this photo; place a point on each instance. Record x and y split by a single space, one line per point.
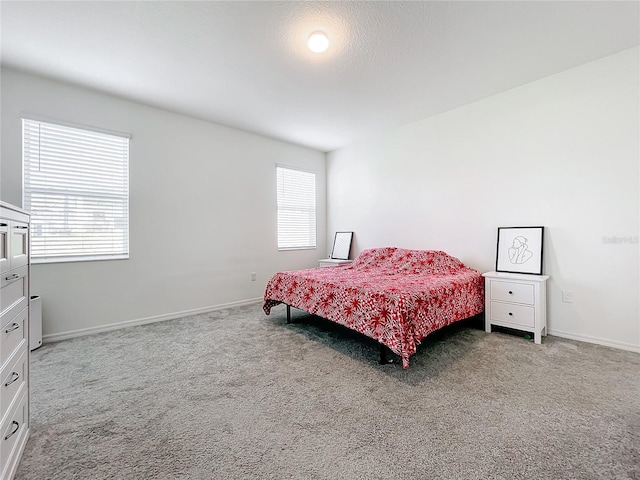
318 42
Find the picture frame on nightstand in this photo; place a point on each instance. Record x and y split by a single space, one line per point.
341 246
519 250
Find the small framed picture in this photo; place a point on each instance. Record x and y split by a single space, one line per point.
342 245
520 250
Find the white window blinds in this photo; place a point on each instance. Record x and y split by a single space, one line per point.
296 209
76 186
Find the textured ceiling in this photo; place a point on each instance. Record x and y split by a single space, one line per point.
246 65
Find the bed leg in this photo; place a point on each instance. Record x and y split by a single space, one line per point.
384 360
383 355
288 314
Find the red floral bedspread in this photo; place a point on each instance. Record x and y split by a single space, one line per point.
396 296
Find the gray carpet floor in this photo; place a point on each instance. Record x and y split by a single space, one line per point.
234 394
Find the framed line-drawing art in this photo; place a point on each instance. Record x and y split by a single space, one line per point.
342 245
520 250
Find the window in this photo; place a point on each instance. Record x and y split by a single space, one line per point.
296 209
76 186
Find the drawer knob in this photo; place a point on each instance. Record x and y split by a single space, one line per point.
15 429
14 377
510 314
510 292
14 326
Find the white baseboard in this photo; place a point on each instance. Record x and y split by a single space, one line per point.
598 341
55 337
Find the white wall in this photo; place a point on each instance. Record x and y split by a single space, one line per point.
202 210
562 152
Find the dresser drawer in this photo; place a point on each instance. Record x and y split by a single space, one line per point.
13 380
13 432
14 292
4 246
14 244
512 292
515 314
18 244
13 332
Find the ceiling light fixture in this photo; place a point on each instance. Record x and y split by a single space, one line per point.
318 42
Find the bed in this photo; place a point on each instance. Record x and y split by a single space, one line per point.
393 295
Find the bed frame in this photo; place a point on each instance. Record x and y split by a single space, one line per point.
383 360
392 295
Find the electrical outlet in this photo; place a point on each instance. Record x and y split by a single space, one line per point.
567 296
253 276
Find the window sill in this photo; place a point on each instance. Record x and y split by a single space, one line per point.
85 258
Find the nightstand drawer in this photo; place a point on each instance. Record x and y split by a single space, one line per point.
512 292
515 314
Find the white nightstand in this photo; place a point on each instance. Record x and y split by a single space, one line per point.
516 301
333 262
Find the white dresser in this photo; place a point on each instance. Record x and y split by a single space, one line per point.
14 337
516 301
